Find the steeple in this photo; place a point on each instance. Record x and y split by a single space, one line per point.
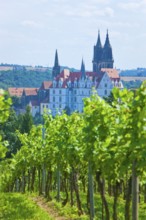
103 56
97 56
98 44
107 56
56 63
83 73
56 68
107 42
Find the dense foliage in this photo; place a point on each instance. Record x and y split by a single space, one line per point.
23 78
4 114
26 78
101 151
12 124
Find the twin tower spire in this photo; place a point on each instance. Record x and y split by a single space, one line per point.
102 58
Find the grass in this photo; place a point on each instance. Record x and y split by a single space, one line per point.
72 213
15 206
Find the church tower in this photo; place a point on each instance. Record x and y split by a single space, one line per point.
56 68
107 56
83 73
103 57
97 55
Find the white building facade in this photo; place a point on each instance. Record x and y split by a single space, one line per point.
69 89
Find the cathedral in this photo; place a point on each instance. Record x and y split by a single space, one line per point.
103 56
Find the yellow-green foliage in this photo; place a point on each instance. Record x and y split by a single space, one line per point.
14 206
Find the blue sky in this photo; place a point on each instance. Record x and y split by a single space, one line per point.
31 31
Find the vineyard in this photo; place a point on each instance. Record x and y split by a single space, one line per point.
93 161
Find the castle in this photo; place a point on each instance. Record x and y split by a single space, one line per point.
67 89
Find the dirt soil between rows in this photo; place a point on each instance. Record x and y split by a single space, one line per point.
40 201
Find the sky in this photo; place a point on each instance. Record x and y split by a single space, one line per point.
31 31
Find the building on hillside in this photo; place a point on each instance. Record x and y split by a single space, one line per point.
43 91
34 107
15 91
67 89
70 88
29 94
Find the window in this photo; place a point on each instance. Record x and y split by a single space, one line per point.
105 92
53 106
75 92
43 106
105 84
53 99
53 91
60 99
46 106
75 99
59 91
60 106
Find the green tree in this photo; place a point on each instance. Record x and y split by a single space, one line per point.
4 113
8 132
26 121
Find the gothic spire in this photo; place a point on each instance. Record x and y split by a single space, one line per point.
107 42
98 44
83 73
56 62
56 68
107 56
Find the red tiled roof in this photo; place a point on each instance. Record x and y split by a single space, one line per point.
66 76
30 91
18 91
15 91
112 73
46 85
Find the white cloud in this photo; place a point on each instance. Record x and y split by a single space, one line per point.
109 12
31 24
134 5
88 12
